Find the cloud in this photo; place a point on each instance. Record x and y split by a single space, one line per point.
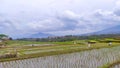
118 3
117 12
65 23
69 19
45 25
95 21
57 17
107 17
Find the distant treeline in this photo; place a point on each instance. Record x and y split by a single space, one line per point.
73 37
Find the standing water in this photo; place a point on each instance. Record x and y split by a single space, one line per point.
86 59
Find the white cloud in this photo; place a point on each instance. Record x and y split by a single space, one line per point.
118 3
45 25
66 23
71 15
59 17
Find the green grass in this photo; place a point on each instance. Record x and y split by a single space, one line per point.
21 43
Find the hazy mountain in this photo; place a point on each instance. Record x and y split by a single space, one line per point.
39 35
112 30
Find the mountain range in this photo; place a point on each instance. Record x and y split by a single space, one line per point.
111 30
39 35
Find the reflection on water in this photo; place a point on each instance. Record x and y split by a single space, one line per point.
86 59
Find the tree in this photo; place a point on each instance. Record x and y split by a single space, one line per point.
2 36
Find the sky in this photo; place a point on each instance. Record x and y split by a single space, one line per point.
57 17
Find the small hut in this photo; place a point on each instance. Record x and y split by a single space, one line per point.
91 42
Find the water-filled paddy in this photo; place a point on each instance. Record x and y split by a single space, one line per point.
86 59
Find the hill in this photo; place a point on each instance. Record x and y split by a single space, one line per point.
39 35
112 30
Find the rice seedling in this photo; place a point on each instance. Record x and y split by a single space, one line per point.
86 59
116 66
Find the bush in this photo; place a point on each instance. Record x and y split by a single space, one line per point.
8 56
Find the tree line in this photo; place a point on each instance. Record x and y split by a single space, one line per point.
73 37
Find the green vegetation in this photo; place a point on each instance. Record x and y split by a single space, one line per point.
3 35
94 58
72 38
27 49
32 48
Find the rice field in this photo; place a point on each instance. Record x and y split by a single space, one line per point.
116 66
86 59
